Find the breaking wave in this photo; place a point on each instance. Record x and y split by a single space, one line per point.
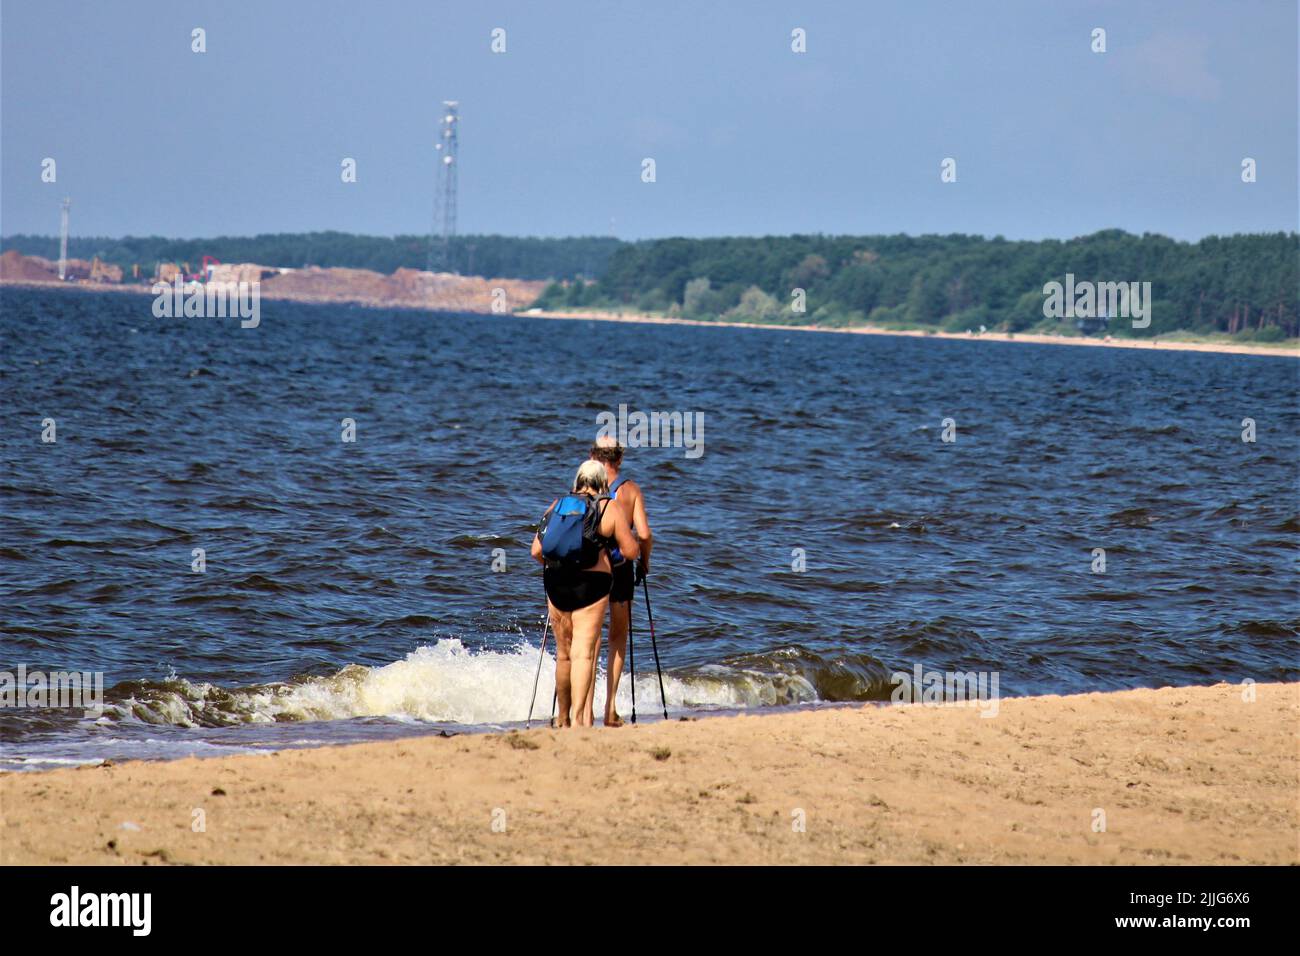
449 683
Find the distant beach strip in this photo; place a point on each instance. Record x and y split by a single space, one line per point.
474 295
1160 344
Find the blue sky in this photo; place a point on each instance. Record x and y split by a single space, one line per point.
749 138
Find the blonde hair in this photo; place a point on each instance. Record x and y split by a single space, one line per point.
592 477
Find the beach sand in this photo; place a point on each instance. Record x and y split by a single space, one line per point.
1182 775
1163 345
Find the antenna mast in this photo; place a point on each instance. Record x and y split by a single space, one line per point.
447 158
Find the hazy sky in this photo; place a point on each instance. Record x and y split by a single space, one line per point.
1050 138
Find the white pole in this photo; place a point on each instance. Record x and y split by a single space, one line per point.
63 239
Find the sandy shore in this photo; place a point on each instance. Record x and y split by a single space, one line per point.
406 289
1183 775
1163 345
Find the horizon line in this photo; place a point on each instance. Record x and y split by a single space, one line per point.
629 241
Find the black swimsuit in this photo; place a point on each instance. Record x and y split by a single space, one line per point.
570 589
624 586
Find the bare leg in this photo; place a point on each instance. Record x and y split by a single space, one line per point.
589 707
582 653
619 612
562 626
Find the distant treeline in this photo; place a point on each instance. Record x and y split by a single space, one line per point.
1244 284
506 257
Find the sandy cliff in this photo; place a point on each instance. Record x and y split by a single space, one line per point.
405 288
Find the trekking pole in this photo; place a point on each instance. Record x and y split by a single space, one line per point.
631 658
654 646
538 676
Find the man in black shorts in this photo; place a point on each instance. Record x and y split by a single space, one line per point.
627 494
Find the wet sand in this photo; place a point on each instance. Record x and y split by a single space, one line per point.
1182 775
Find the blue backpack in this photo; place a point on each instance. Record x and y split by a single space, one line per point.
570 532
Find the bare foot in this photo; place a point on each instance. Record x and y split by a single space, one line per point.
613 721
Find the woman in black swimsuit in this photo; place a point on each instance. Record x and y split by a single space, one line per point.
577 599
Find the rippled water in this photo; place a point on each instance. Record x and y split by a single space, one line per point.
349 590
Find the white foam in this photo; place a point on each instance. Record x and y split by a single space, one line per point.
445 682
448 683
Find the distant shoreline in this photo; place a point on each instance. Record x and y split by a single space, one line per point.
422 292
599 315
